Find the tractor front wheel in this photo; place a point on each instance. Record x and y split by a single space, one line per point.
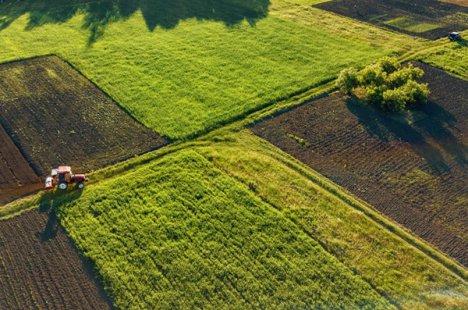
80 185
63 186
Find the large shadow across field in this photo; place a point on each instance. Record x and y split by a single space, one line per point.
157 13
428 137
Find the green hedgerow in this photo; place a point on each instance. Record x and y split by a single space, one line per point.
389 64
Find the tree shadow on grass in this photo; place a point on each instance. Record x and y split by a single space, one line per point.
49 203
428 133
156 13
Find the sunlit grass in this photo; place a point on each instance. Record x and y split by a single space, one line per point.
181 233
200 74
409 24
231 222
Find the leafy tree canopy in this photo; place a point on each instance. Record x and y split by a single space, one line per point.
386 84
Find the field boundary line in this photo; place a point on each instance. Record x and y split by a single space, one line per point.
27 203
335 191
109 96
340 193
309 235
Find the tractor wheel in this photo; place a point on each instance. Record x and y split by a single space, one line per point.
63 186
80 185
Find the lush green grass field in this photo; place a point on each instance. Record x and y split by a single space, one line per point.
181 233
393 267
233 222
184 69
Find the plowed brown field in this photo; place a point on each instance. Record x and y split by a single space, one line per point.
57 116
412 168
16 176
430 19
40 268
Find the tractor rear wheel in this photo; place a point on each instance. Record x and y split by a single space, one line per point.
63 186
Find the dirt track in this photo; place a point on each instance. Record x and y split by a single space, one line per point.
411 168
446 16
56 116
16 176
40 268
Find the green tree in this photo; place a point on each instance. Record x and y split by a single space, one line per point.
385 84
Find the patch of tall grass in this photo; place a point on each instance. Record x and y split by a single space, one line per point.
179 232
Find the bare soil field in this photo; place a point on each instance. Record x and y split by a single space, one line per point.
41 269
410 167
16 176
430 19
57 116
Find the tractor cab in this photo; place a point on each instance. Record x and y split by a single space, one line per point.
64 174
62 177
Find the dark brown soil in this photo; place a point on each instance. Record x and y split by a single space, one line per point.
412 168
56 116
16 176
449 15
41 269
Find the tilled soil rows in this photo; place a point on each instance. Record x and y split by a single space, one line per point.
410 167
430 19
56 116
41 269
16 176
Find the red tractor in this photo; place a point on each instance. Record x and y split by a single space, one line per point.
62 177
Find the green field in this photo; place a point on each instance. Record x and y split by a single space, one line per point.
228 219
449 56
237 222
186 73
409 24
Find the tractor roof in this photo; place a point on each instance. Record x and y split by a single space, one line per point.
63 169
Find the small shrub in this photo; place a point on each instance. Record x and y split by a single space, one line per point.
347 80
389 64
403 75
394 99
372 75
417 92
374 94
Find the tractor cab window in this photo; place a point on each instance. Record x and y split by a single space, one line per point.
61 178
64 178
